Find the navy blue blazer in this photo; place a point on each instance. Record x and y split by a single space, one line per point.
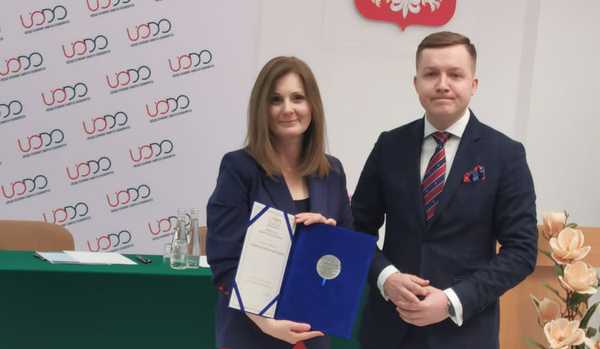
242 181
457 246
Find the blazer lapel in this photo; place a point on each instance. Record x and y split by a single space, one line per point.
317 191
281 197
467 151
279 193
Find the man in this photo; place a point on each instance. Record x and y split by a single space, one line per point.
449 188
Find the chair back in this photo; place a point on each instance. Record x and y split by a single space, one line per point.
34 236
203 241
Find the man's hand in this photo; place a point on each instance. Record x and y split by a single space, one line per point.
401 287
429 311
289 331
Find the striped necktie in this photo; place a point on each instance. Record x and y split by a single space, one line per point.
433 181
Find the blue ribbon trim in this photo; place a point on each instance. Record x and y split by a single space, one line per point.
258 215
237 294
269 305
287 222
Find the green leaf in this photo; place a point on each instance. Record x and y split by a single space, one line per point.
571 225
577 299
533 343
588 315
559 270
547 285
547 253
591 332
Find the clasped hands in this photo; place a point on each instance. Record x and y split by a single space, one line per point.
404 290
289 331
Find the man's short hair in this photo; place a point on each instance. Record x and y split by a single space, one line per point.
445 39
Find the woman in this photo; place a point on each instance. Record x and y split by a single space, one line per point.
283 165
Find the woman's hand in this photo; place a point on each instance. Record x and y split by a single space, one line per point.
309 218
289 331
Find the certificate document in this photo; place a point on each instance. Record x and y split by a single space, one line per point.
263 261
315 275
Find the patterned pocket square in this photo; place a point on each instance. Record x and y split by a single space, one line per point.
476 175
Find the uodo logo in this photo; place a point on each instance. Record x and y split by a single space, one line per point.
68 214
153 151
129 197
12 108
190 60
146 30
21 65
43 139
43 17
100 5
66 95
85 47
129 77
113 242
165 225
168 106
89 168
105 124
25 187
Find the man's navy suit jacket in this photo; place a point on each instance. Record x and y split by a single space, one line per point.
457 246
240 183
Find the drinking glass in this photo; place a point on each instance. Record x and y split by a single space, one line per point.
167 253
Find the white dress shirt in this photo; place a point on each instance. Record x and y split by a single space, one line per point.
428 148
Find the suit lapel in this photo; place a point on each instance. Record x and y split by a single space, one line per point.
467 151
279 193
413 145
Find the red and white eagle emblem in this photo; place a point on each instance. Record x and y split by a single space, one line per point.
432 13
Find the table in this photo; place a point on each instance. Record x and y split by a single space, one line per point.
145 306
44 305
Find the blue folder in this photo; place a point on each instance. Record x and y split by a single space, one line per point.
329 306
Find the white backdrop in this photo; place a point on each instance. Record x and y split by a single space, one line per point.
536 85
113 114
536 70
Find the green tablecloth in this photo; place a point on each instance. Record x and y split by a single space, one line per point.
44 305
145 306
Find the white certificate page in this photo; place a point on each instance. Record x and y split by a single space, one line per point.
263 261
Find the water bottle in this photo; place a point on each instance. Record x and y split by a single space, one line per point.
180 245
180 212
193 252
